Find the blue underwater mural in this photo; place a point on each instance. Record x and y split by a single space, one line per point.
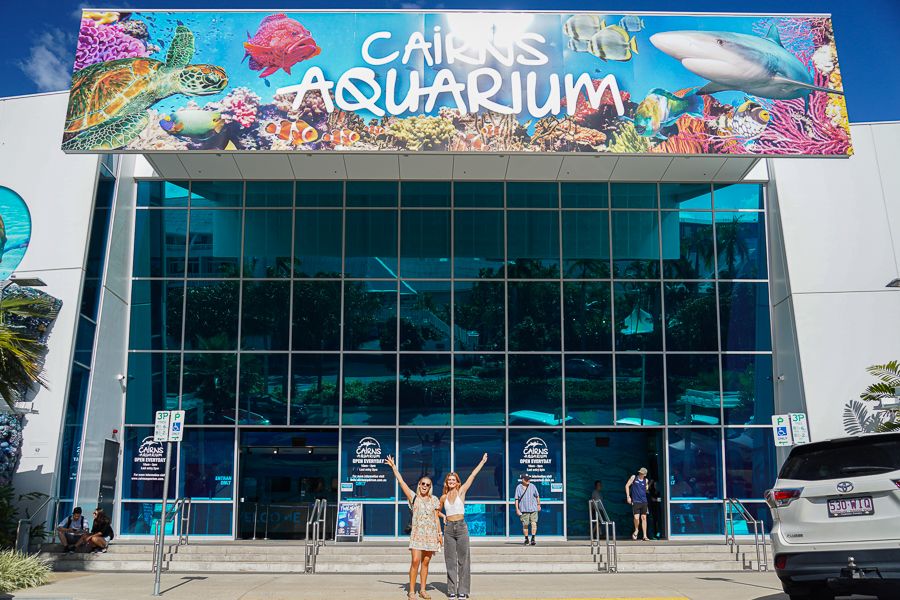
15 231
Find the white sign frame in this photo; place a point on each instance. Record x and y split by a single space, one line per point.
781 430
161 426
799 428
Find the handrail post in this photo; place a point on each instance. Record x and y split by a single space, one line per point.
255 517
266 532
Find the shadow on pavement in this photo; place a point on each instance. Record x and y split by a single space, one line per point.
184 581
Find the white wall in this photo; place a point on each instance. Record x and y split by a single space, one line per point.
840 221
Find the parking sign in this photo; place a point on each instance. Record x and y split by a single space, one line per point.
176 426
161 427
781 429
799 428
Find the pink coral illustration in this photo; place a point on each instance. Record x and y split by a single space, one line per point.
99 43
240 106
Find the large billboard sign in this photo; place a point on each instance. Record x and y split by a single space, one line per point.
456 82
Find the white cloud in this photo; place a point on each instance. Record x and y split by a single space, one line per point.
48 63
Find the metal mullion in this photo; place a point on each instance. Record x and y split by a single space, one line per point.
612 303
342 350
662 311
505 491
452 345
289 393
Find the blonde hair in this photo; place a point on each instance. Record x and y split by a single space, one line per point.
422 478
448 476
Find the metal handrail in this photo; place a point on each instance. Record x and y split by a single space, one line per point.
732 506
316 519
23 528
600 518
180 514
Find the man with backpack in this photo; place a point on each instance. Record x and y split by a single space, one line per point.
71 529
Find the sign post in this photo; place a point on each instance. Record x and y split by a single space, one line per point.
781 429
168 428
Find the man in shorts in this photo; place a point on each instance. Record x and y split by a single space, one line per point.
636 492
71 529
528 505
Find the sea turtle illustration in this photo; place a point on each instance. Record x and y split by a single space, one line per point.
109 100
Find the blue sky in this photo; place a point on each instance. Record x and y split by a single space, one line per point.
38 37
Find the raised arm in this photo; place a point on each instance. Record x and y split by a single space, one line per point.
410 495
465 487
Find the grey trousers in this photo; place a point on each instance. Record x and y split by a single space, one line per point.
456 555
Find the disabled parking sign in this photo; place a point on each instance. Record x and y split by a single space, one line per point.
781 429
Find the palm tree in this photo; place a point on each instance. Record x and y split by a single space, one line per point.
732 245
888 376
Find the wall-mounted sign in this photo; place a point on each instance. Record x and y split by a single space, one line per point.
537 460
153 81
149 461
366 476
781 430
349 522
799 428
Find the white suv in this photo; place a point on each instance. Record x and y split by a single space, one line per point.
836 514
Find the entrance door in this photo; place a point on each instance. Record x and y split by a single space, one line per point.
611 457
108 469
281 474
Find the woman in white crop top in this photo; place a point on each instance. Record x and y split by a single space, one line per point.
456 533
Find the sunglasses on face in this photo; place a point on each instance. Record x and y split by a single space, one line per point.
428 485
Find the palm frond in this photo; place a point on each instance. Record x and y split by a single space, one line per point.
877 391
857 419
21 363
40 306
888 373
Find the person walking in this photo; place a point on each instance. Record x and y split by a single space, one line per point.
456 533
636 492
425 536
528 506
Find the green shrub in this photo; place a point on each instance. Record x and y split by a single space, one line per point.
18 571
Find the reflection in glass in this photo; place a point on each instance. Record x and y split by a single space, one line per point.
425 193
314 391
370 315
156 308
425 243
267 243
747 380
371 243
697 519
550 517
479 308
478 194
271 194
533 316
424 315
685 196
317 314
214 244
639 389
691 316
693 388
744 316
522 194
588 316
633 195
211 519
207 464
533 244
263 399
468 447
264 310
424 453
589 389
211 315
317 243
637 310
320 193
535 391
152 385
478 239
370 389
635 236
372 194
162 193
695 459
479 386
749 462
586 244
378 519
217 194
741 242
687 239
425 389
739 196
209 386
159 243
585 195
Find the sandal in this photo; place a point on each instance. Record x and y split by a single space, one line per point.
411 597
646 539
424 595
634 536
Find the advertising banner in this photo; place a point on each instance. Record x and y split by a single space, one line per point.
153 81
366 476
349 522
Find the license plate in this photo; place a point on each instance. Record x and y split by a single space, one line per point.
851 507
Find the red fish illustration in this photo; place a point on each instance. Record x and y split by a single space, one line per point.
297 132
279 43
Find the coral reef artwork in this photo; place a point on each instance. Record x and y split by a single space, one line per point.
10 446
457 82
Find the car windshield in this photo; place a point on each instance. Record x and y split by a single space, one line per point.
833 460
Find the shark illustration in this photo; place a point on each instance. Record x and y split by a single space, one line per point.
759 66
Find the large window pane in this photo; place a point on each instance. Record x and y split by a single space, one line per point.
264 382
480 312
534 316
484 520
159 243
143 465
425 243
550 518
362 464
635 237
749 462
585 195
267 243
691 316
218 194
520 194
317 314
738 196
697 519
741 243
588 316
320 193
478 194
478 239
153 380
693 388
685 196
372 194
639 389
425 315
314 395
744 316
264 315
633 195
272 194
585 244
479 384
211 311
156 308
637 310
468 447
317 243
425 193
424 389
371 243
207 464
370 389
539 453
535 391
162 193
378 519
533 244
589 389
748 394
214 244
209 386
695 464
211 519
425 453
687 245
370 315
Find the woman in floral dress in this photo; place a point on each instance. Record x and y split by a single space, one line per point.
425 537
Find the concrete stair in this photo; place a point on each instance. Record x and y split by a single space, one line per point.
393 557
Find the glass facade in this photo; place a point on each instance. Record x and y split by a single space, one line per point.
566 329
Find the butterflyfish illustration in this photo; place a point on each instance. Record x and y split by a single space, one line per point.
749 120
613 43
583 27
631 23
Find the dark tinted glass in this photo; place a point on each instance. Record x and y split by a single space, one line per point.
687 245
372 194
697 519
585 244
533 316
264 384
479 384
152 385
378 519
370 315
370 389
633 195
738 196
159 243
425 453
314 395
585 195
469 445
211 519
693 388
744 316
533 244
550 517
156 308
425 315
588 316
162 193
211 310
691 316
639 389
749 462
320 193
478 239
362 464
845 458
539 453
317 243
638 321
478 194
635 236
589 389
748 395
264 311
214 246
218 194
84 340
144 478
267 243
371 248
695 464
209 386
685 196
425 389
535 390
273 194
207 465
317 315
741 242
520 194
425 243
424 193
480 312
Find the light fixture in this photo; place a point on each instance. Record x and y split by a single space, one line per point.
894 283
27 281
